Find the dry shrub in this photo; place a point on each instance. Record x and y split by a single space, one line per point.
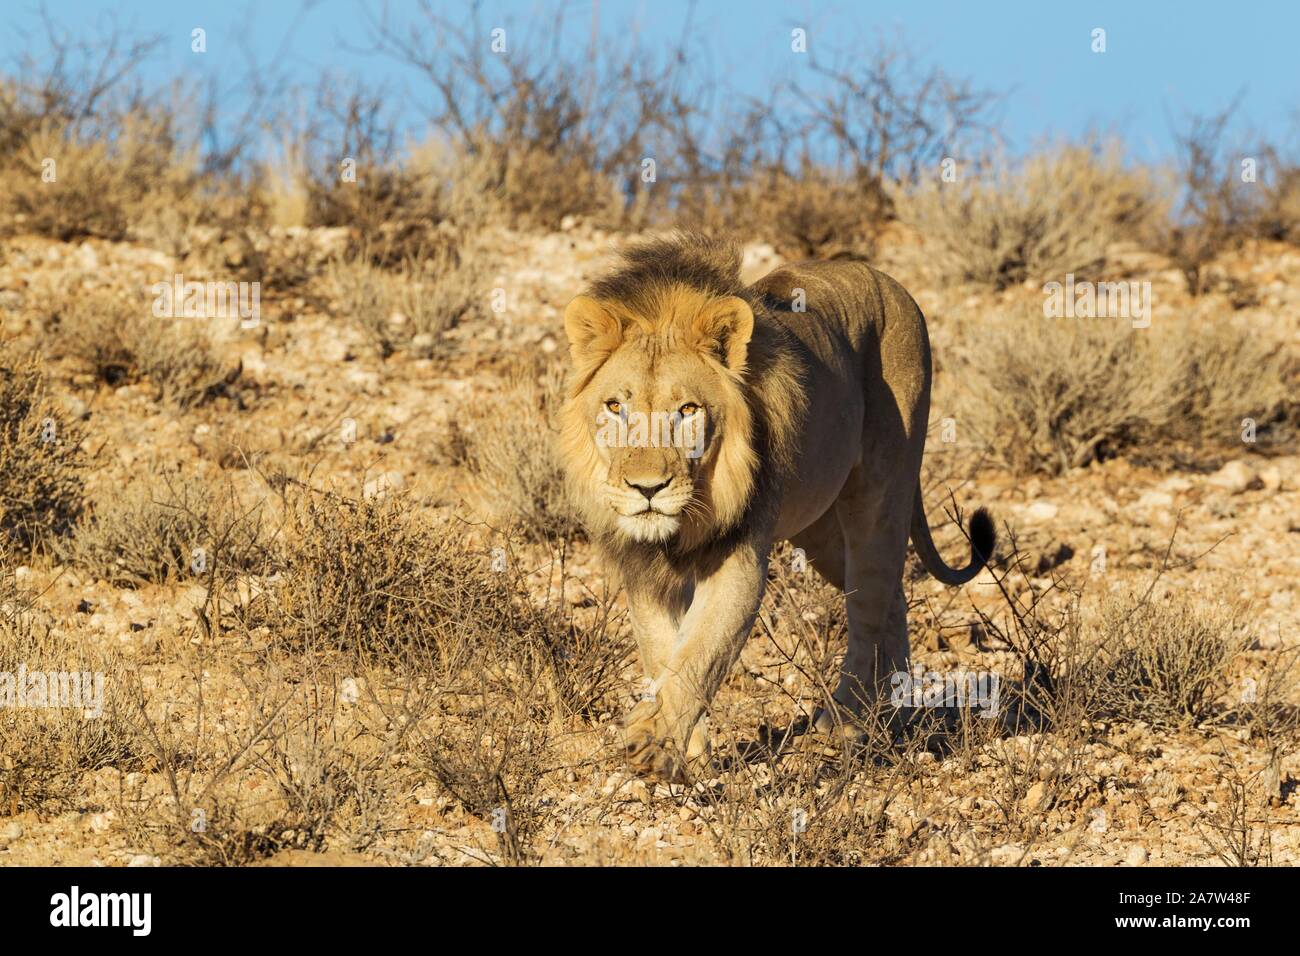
303 766
1228 371
1132 655
551 130
500 671
412 207
813 215
375 575
41 464
1046 216
392 211
371 575
537 186
120 341
167 528
1233 826
411 308
1216 209
814 809
1279 214
1167 661
46 751
523 688
492 757
105 186
509 448
406 208
1053 394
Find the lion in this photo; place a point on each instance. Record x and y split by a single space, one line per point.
704 421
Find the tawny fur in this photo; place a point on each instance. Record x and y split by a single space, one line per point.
811 388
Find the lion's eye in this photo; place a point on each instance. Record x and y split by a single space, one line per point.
690 408
613 406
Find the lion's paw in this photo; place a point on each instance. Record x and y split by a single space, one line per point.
650 751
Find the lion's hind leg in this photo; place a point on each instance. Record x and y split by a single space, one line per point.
875 532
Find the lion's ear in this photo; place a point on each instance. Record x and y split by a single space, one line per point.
725 327
593 333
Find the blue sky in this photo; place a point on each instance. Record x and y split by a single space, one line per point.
1163 59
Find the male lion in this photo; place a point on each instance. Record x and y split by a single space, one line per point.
706 421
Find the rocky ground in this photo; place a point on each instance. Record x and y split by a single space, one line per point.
1225 528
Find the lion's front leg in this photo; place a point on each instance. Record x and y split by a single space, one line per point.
656 622
660 731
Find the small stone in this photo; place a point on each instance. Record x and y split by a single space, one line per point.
1271 478
1008 854
10 832
77 409
1136 855
1156 500
87 258
1041 511
349 690
1234 477
144 859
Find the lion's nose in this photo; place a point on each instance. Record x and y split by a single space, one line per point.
651 487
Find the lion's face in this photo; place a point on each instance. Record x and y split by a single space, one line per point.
654 420
657 432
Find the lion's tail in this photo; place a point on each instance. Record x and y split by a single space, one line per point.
983 536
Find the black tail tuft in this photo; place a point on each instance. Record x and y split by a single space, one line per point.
983 536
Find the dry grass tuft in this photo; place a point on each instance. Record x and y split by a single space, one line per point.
371 575
120 341
414 307
167 528
509 450
1051 214
1165 662
41 463
65 181
46 752
1053 394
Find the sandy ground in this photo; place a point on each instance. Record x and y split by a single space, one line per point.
1140 795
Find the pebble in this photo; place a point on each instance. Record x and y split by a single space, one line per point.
1041 511
1156 500
1008 854
1035 795
10 832
1234 477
